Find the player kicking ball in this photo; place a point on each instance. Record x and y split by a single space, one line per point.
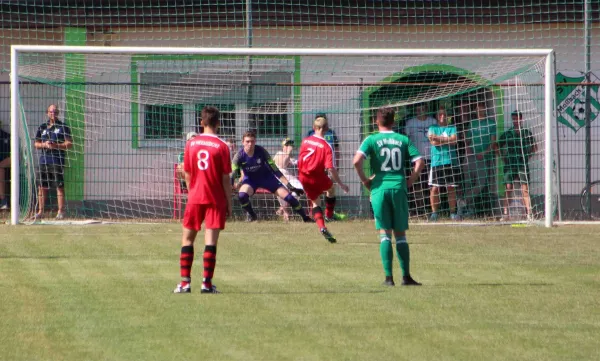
316 156
206 168
260 171
388 152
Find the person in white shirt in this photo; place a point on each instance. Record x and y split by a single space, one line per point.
417 129
284 161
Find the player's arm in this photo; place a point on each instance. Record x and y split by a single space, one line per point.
38 139
359 159
271 163
236 171
333 173
187 168
501 145
68 143
358 162
493 148
448 140
226 170
336 178
227 189
433 138
531 141
418 164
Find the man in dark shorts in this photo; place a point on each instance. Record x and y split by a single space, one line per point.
4 166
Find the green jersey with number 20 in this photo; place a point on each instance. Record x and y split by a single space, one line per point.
388 153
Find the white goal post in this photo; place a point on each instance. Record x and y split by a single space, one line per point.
547 71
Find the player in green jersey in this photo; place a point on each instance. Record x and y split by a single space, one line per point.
388 152
516 147
481 141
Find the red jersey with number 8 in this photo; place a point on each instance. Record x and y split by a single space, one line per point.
316 155
206 159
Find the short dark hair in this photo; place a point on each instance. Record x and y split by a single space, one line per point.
517 114
210 116
387 115
321 115
248 134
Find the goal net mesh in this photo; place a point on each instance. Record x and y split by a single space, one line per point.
128 116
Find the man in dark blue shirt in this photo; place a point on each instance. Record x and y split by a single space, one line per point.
4 165
259 171
53 138
330 199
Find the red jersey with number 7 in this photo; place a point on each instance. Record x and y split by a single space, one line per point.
316 155
206 159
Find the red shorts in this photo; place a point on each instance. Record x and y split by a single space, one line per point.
212 216
315 186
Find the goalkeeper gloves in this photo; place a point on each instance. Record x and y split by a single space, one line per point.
293 189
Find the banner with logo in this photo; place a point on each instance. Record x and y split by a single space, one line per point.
570 99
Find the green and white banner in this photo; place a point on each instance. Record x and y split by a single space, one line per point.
570 99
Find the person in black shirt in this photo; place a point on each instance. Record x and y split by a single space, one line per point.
4 165
53 138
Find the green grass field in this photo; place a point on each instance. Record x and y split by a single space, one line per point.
103 292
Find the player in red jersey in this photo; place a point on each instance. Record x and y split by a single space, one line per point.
206 166
315 157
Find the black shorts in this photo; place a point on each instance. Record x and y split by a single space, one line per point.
51 176
423 176
444 176
516 173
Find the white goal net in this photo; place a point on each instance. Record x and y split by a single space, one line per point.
127 113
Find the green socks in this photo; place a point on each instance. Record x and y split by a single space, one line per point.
403 255
387 254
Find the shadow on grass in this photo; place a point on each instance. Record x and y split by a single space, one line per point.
302 292
34 257
491 284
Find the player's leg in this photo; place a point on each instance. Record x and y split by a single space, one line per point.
454 181
214 223
283 193
508 193
211 236
186 259
317 213
399 205
192 221
383 223
44 178
523 177
330 201
508 197
434 196
4 164
434 193
246 191
59 182
313 188
526 200
451 190
282 211
42 195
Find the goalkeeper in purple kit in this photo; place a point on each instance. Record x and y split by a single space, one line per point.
259 171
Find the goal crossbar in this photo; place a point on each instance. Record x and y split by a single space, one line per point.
549 109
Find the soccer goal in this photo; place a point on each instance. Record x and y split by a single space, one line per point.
125 113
